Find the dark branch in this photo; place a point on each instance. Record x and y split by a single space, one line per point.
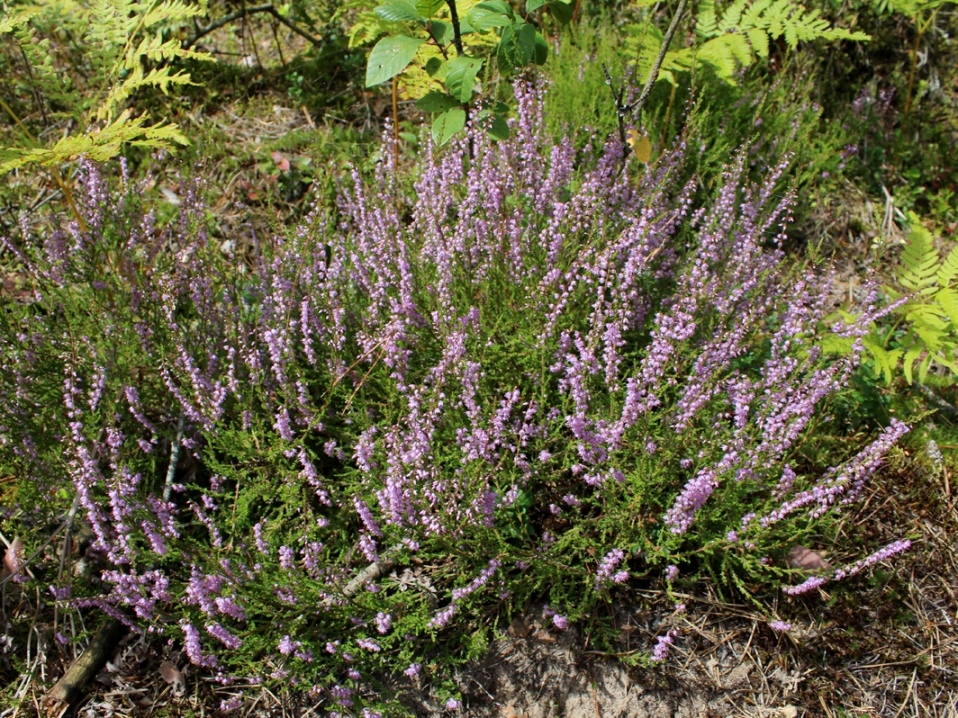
243 12
657 65
456 30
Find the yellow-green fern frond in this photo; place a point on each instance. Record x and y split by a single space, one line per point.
920 261
743 32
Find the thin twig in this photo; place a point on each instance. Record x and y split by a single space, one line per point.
456 27
67 537
243 12
174 460
657 65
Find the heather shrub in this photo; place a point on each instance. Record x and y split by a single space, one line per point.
543 375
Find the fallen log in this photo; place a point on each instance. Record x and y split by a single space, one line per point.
86 666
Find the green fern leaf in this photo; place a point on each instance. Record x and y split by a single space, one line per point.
759 40
947 299
948 272
706 21
919 260
911 356
18 19
886 360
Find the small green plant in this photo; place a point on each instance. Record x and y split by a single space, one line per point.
451 63
925 334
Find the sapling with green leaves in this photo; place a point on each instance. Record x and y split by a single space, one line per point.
437 24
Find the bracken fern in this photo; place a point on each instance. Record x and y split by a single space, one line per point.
125 50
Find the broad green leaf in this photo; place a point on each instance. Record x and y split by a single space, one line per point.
429 7
499 128
516 47
526 42
499 6
437 102
389 57
461 76
442 31
448 124
483 18
561 11
540 54
399 11
507 53
533 5
433 65
495 123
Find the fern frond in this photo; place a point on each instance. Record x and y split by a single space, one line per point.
17 19
919 260
745 31
947 299
885 360
948 271
706 21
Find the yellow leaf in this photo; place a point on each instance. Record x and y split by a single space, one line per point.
641 145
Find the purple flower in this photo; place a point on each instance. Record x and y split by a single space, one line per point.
606 573
223 636
810 584
560 622
193 649
287 558
287 645
662 645
882 554
780 626
671 573
231 704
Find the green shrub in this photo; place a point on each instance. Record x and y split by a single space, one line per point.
539 377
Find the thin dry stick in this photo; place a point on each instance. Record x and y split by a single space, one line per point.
64 552
174 460
372 572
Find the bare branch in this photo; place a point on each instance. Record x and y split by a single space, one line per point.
269 8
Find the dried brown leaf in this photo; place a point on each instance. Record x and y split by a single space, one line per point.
174 676
280 161
13 558
805 558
